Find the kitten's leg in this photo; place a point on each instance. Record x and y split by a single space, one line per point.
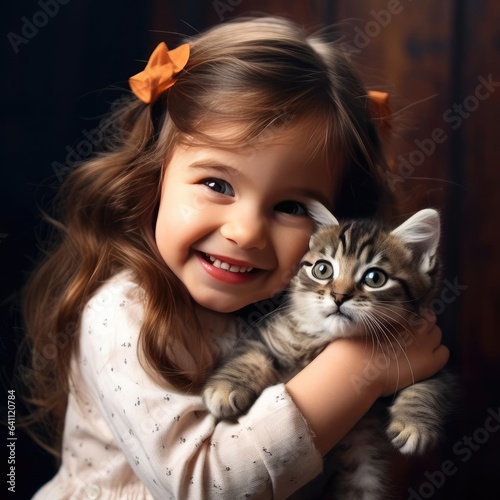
235 385
362 454
418 413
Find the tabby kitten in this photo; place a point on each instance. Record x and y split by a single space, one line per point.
357 279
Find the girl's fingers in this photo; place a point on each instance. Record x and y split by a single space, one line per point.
430 317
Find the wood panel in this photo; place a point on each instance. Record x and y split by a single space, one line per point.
478 102
480 105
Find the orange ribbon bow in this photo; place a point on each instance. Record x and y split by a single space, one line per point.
158 75
379 109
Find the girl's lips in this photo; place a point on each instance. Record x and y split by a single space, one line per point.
227 270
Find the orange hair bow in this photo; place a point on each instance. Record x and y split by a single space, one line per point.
158 75
380 110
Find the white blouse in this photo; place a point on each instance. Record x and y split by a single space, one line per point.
127 437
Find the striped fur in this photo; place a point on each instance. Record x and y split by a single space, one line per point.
357 279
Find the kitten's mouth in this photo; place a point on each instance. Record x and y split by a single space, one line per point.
227 266
342 314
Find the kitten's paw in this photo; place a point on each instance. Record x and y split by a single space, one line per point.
410 439
417 415
225 400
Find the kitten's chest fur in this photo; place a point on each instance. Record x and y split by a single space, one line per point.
291 347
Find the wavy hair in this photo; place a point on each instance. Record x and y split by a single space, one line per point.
243 78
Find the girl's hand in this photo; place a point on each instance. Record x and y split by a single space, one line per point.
385 367
418 355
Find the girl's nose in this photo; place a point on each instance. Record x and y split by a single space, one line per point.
246 231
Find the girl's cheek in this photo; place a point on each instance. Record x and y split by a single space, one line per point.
287 276
294 249
191 207
199 200
301 241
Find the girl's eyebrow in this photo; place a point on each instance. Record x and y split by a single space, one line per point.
214 165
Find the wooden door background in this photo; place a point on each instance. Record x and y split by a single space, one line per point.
441 62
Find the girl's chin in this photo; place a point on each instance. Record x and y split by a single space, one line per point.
225 302
220 305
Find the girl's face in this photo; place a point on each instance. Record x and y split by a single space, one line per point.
232 225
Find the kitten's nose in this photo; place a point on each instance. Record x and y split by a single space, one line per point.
340 298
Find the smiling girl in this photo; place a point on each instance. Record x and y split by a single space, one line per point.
199 209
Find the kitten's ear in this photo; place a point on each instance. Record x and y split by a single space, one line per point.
320 214
421 231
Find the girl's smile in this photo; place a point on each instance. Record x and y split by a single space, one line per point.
227 270
232 224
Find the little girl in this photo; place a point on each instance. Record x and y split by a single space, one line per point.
197 210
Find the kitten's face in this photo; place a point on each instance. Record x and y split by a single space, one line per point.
358 278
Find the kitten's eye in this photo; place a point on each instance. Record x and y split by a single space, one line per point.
291 207
219 186
322 270
375 278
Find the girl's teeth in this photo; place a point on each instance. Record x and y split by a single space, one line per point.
228 267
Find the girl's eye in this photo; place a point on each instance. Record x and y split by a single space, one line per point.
291 207
375 278
322 270
219 186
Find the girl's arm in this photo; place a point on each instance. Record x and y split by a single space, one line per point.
338 387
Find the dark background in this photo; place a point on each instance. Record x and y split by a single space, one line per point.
64 67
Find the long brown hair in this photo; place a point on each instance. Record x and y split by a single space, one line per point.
243 78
